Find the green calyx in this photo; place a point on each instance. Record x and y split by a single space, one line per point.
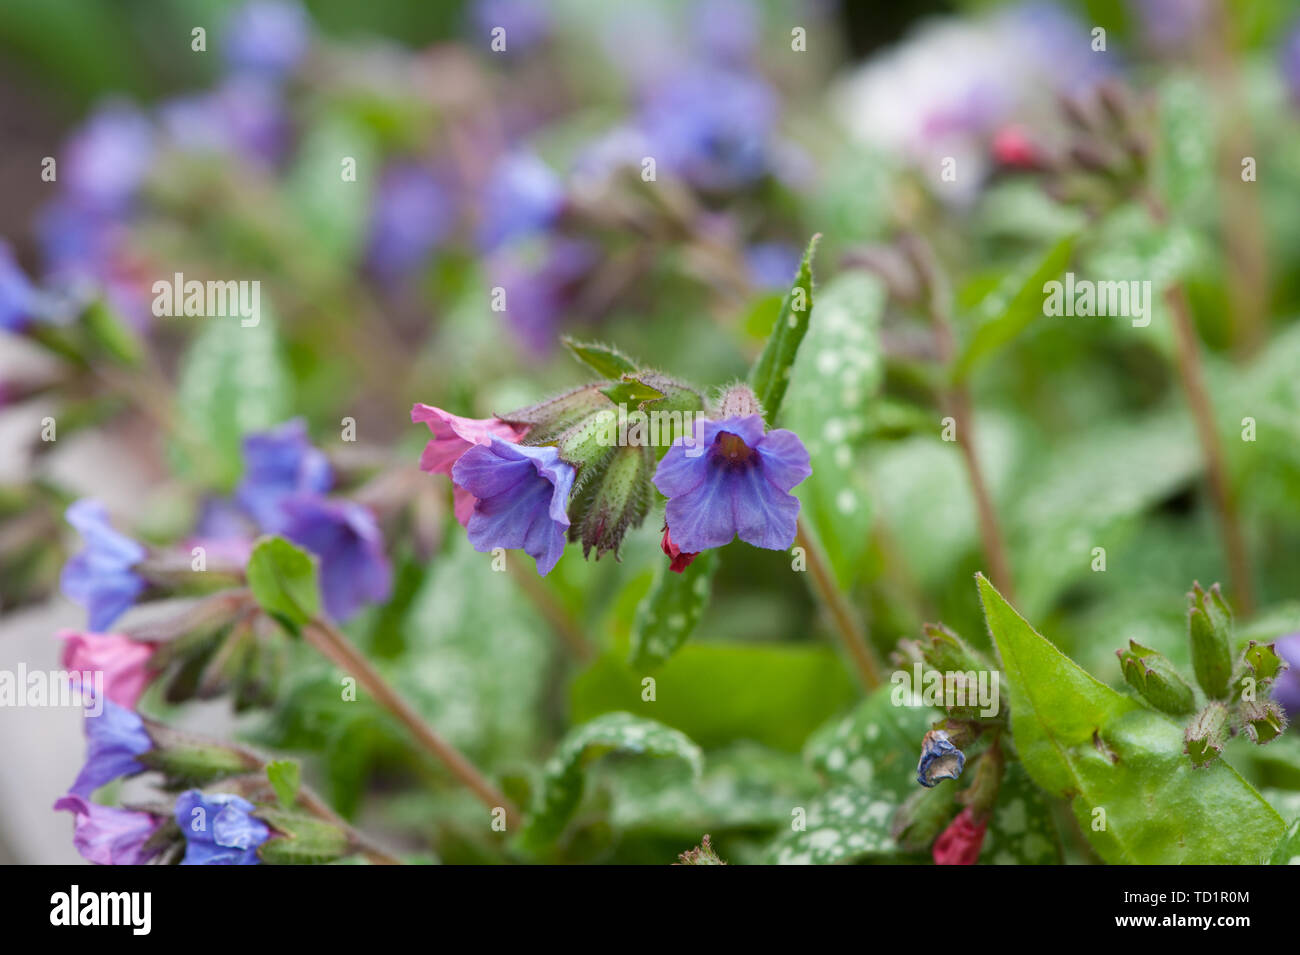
1153 676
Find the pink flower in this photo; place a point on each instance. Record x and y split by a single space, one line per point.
124 662
108 836
960 843
452 437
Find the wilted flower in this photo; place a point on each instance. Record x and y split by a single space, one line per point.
269 37
123 661
354 570
679 561
100 577
410 214
452 437
277 465
940 759
106 835
219 829
733 481
960 843
115 739
522 499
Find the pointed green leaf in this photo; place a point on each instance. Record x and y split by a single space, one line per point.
669 612
1136 795
1021 830
604 360
771 373
285 777
283 579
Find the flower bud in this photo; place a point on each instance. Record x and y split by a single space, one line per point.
187 760
940 759
547 420
612 501
1206 734
1261 722
1209 626
703 854
1264 662
301 840
961 842
1152 675
737 402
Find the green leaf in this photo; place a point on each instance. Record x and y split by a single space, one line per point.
837 372
284 581
775 694
285 776
233 380
668 614
770 374
332 210
605 360
1011 306
843 824
565 776
1288 849
631 392
1083 741
1021 829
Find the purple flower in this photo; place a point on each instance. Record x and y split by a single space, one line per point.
729 30
940 759
219 829
526 22
522 196
100 576
278 464
268 37
522 498
353 567
244 116
711 126
733 480
19 298
107 158
1286 688
115 738
1290 62
108 836
411 214
772 265
1169 24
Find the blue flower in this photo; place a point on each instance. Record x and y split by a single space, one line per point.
411 214
278 464
772 265
100 577
526 22
115 739
1290 62
105 835
522 498
539 293
523 196
244 117
219 829
268 37
733 480
107 158
19 298
353 567
940 759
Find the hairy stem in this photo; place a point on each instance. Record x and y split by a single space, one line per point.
842 614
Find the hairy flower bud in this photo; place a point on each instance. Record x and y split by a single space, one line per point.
1152 675
298 839
616 499
1206 734
1262 722
1209 627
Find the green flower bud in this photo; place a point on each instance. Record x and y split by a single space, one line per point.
1261 722
190 761
703 854
1209 626
1206 734
548 420
612 501
1152 675
1264 662
301 839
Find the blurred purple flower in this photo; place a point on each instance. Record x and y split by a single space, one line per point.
100 577
115 739
107 158
527 23
1286 689
523 495
277 464
523 196
772 265
267 37
219 829
19 298
710 126
1169 24
411 213
1290 62
538 294
108 836
244 116
729 30
344 536
87 254
733 481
